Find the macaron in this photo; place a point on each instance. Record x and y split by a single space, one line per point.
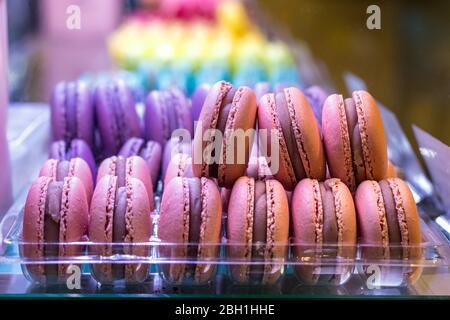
166 111
179 166
150 151
77 148
388 224
191 212
56 213
226 112
124 168
289 116
117 117
76 167
354 138
316 96
323 224
119 220
72 112
257 230
198 98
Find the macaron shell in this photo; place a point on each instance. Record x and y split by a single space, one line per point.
306 130
84 112
156 123
171 227
373 136
346 219
74 220
277 230
371 219
240 226
208 119
268 120
33 227
242 116
80 149
57 111
108 128
209 230
414 253
336 139
198 98
305 202
77 168
139 228
101 224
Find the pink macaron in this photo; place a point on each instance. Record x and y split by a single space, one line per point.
227 115
56 214
388 224
289 116
191 212
354 138
323 226
120 220
131 167
75 167
257 230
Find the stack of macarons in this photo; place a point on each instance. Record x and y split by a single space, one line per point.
172 50
319 188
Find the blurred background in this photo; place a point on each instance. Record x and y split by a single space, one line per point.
406 64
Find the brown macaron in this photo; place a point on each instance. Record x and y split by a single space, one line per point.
323 224
257 230
190 224
354 139
388 224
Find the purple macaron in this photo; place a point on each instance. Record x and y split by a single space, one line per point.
198 98
117 117
77 148
166 111
150 151
72 112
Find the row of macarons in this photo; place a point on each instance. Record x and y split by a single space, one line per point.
258 220
261 218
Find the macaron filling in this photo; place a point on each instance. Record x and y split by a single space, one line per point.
259 231
62 170
330 227
355 140
52 218
395 236
119 229
119 169
284 116
195 221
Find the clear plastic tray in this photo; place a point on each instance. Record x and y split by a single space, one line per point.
305 265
